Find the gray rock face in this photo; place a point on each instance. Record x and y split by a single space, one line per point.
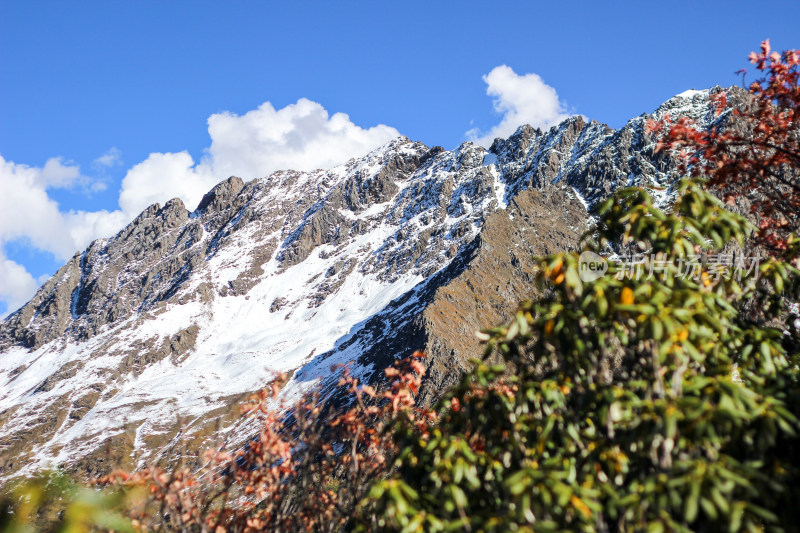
596 159
408 247
221 195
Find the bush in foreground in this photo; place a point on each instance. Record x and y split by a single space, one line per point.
304 471
664 397
619 407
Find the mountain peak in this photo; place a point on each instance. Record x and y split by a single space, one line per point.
408 247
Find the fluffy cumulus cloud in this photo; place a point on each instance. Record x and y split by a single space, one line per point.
26 209
16 283
521 99
163 176
28 214
300 136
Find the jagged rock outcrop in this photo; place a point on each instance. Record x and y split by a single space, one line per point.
151 334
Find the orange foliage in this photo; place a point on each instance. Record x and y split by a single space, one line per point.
756 156
305 471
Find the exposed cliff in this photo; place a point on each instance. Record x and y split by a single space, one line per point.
154 332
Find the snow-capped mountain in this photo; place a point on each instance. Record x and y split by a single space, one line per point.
153 333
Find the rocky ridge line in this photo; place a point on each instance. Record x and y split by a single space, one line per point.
409 247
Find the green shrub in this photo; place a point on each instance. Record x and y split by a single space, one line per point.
623 404
51 502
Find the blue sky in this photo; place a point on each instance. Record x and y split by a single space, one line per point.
104 85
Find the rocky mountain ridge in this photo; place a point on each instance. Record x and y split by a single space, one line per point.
151 334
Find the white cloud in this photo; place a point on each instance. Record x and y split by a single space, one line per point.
522 99
16 285
112 158
163 176
57 174
300 136
86 226
27 211
101 167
